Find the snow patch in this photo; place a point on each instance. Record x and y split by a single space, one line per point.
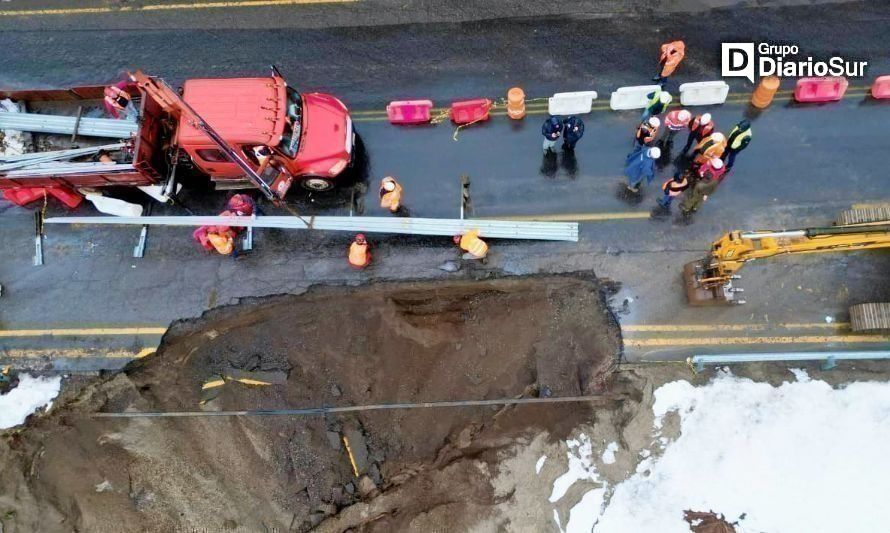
800 374
540 464
774 455
609 454
30 394
580 467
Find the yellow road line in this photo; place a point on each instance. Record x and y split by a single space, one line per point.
75 354
876 205
715 341
667 328
575 217
163 7
81 332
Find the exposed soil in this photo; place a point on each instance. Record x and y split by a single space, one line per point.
418 470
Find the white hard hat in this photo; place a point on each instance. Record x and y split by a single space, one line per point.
705 118
717 163
684 115
655 152
654 122
718 137
389 185
665 97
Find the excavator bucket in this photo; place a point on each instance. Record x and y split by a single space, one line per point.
699 295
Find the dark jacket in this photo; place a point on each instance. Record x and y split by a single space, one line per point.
552 128
573 129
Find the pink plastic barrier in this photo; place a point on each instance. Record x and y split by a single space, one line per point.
467 111
820 89
409 111
881 87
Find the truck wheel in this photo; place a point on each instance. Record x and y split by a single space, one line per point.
317 184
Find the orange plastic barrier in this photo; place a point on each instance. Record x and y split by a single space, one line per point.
23 196
409 111
881 87
765 91
516 103
467 111
820 89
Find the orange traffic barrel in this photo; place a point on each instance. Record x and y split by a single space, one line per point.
515 103
765 91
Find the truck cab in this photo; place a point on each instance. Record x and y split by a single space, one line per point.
285 135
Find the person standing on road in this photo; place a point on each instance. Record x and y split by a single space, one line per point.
713 169
673 188
359 255
698 194
640 164
551 130
710 147
647 131
676 120
658 102
700 127
390 194
672 54
572 131
738 140
472 245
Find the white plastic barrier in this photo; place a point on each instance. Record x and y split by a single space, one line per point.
631 97
704 93
577 103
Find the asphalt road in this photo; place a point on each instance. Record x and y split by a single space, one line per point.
805 165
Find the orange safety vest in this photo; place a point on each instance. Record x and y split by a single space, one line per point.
471 243
391 199
358 255
671 55
224 244
708 149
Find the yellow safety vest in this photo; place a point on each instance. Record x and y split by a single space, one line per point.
737 142
470 242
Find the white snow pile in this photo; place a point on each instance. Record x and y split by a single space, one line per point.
801 457
30 394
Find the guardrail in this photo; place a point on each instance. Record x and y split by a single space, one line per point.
829 359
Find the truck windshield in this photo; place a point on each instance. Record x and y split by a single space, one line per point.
293 124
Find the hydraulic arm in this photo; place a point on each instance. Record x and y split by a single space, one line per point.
709 281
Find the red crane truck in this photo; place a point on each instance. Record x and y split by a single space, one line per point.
240 132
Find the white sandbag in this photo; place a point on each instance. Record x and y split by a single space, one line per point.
632 97
113 206
157 192
704 93
576 103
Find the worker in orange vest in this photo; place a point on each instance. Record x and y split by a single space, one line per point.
671 55
359 254
710 147
647 131
470 243
219 238
673 188
700 127
390 194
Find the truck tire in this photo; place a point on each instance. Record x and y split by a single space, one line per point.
317 184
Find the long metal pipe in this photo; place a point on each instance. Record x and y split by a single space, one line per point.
722 359
499 229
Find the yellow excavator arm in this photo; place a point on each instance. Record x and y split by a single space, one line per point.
710 281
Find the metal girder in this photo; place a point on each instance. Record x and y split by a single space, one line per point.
496 229
62 124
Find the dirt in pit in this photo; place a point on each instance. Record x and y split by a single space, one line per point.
418 470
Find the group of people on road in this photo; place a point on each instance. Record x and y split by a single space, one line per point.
571 129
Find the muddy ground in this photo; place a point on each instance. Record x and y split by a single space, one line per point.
417 470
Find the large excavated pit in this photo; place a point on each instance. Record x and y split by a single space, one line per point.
420 469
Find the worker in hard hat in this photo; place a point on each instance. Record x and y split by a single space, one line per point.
672 54
657 103
699 193
700 127
359 255
119 102
675 121
736 141
640 164
647 131
713 169
241 205
710 147
673 188
472 245
390 194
